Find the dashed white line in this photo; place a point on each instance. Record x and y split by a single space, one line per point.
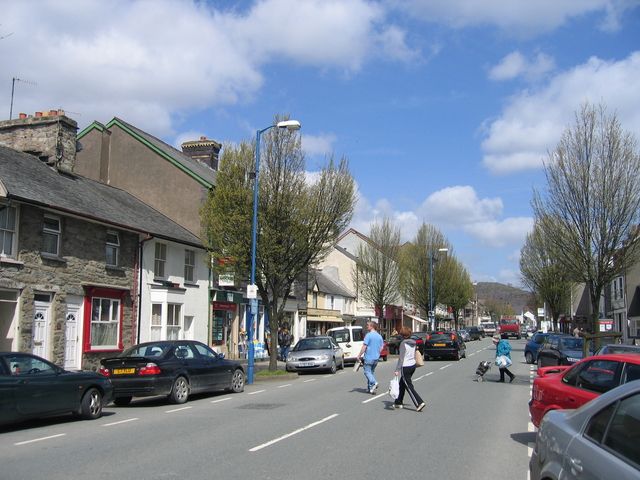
295 432
310 380
121 421
40 439
178 409
447 365
221 400
472 354
283 386
373 398
257 391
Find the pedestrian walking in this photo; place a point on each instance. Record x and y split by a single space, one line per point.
503 349
405 368
284 340
370 354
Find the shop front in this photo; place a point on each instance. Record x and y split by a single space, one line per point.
225 321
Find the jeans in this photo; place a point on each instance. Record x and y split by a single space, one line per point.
284 351
369 368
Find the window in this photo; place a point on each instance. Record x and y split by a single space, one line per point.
633 372
105 322
51 235
598 424
205 351
24 365
7 230
332 302
160 260
113 245
599 376
189 265
173 321
623 434
156 321
314 302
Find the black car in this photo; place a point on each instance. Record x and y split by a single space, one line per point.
172 368
444 344
32 387
475 333
419 337
560 349
394 344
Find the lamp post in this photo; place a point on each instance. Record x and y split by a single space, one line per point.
432 314
251 288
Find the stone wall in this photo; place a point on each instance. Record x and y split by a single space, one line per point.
81 263
51 137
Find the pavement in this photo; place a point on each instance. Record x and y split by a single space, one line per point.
315 426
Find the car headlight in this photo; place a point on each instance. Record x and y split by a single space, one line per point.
572 359
291 359
324 356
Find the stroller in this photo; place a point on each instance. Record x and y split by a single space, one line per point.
483 367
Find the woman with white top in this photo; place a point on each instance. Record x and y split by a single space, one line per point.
405 368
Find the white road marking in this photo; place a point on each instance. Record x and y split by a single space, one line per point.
178 409
531 427
40 439
472 354
121 421
221 400
310 380
373 398
257 391
295 432
425 375
447 365
287 385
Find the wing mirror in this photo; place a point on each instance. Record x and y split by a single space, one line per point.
221 356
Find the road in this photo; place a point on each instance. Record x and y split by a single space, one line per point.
316 426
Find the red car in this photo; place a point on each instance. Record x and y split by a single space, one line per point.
384 353
571 386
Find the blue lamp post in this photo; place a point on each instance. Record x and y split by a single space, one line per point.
251 289
432 314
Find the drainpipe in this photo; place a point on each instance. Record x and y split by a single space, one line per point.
140 247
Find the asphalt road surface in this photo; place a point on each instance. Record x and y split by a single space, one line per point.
316 426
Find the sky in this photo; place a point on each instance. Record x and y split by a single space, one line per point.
445 109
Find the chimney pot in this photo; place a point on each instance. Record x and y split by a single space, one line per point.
38 114
203 138
22 115
53 113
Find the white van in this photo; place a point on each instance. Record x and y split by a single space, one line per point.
350 340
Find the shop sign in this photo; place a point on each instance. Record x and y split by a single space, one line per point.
226 280
230 307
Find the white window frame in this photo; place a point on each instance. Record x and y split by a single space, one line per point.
155 324
115 248
9 230
160 260
49 231
189 266
174 321
114 318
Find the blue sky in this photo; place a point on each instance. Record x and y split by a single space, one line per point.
445 109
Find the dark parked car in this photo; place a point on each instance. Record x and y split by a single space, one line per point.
172 368
533 346
464 334
394 344
444 344
559 349
475 333
419 338
31 387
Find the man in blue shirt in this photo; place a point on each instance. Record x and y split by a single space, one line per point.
370 353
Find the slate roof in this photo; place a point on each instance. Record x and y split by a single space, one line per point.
328 285
26 178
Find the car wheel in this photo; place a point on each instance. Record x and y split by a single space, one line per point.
122 401
333 368
384 359
179 391
528 356
91 404
237 381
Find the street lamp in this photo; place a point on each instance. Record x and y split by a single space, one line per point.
432 314
290 125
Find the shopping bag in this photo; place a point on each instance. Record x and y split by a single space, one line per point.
357 365
503 361
419 359
394 388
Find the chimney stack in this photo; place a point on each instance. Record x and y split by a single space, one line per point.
205 151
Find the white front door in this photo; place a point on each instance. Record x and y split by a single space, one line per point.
72 333
41 329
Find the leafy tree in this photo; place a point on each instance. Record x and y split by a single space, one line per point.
298 219
590 212
376 273
543 274
455 286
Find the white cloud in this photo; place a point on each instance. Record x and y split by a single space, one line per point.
149 62
516 65
497 233
533 121
519 17
460 205
321 144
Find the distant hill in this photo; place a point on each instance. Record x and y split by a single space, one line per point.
518 298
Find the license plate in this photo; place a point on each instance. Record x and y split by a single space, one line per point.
306 364
123 371
439 345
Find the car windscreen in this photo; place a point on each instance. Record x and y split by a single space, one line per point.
357 335
340 335
508 322
440 337
148 350
571 343
312 344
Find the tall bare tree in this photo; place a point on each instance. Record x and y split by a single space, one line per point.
298 219
455 286
543 274
376 273
591 208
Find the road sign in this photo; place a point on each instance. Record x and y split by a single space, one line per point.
252 291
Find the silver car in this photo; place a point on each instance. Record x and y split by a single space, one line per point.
315 353
600 440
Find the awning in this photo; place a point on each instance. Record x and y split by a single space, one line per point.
530 315
418 319
325 319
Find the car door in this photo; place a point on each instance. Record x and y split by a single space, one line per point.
191 363
218 373
587 381
337 353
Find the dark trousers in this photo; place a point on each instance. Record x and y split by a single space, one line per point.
503 371
407 385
